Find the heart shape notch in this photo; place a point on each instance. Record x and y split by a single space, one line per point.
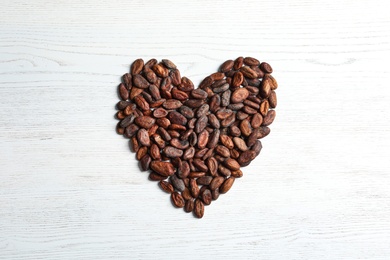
195 141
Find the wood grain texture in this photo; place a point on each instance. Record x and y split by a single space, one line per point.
71 189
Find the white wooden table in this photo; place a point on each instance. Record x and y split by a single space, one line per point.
71 189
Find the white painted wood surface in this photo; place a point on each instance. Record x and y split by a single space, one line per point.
71 189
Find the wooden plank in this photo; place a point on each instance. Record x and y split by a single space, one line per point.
71 189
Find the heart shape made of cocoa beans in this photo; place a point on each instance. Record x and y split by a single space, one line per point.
195 141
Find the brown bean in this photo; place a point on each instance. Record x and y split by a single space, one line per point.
228 183
199 208
162 168
216 182
177 200
177 183
137 66
166 186
239 95
226 66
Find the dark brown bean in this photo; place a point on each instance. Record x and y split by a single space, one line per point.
201 152
226 141
127 121
134 144
172 152
166 186
194 103
155 152
200 165
265 88
189 206
199 94
177 183
245 128
232 164
240 144
202 110
169 64
257 147
205 180
177 200
127 79
186 111
238 63
215 194
266 67
163 133
184 170
206 197
123 92
246 157
186 84
217 76
203 139
251 104
153 176
269 118
222 170
222 150
194 188
272 99
154 92
264 107
140 82
226 66
215 102
137 66
206 82
160 70
263 131
241 115
180 144
237 174
143 137
248 72
151 76
122 105
249 61
221 88
225 98
172 104
145 121
229 120
175 76
179 95
271 80
141 103
213 120
228 183
162 168
186 192
199 208
145 162
257 120
131 130
216 182
160 113
239 95
212 165
201 124
177 118
234 131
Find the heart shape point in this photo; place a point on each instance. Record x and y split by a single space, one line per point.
195 141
